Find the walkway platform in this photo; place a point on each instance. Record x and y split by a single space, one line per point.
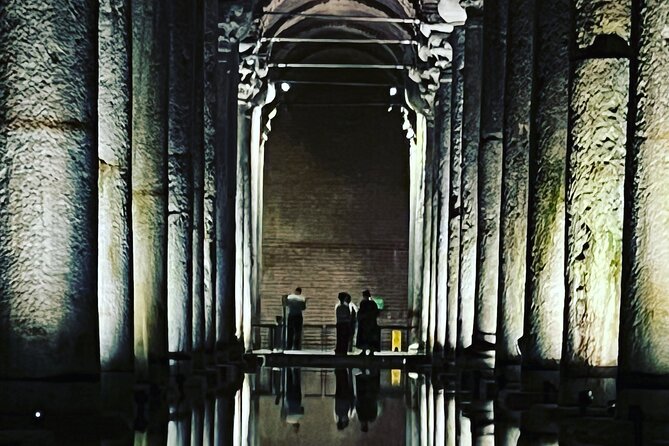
324 359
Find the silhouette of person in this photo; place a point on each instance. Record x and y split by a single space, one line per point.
368 387
343 315
369 333
344 398
295 305
293 410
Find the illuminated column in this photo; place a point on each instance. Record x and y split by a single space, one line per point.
599 96
644 352
490 172
427 301
457 41
242 217
114 236
471 121
210 113
48 80
542 339
513 236
179 174
442 211
149 185
197 162
231 26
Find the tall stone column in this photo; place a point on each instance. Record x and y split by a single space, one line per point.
243 219
231 18
427 301
48 84
115 303
180 188
599 96
197 164
490 172
149 185
542 339
457 42
513 225
209 116
644 352
471 121
442 220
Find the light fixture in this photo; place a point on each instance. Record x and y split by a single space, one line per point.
393 91
38 414
285 86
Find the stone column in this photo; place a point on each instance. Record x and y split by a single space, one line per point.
197 164
542 339
115 304
149 185
644 352
225 167
490 172
48 80
209 116
457 41
427 301
513 226
180 188
471 121
599 96
243 218
442 221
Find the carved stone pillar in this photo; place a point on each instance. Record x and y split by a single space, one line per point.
596 170
48 165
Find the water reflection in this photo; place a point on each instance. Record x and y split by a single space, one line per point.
307 406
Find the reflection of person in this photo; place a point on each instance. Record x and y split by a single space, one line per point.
293 409
343 315
344 398
295 304
368 386
369 333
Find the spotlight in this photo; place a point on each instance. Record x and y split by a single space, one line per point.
285 86
393 91
38 414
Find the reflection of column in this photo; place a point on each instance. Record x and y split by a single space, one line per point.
48 79
178 428
149 183
483 425
451 422
210 118
114 237
224 419
197 159
513 237
644 318
464 431
471 120
599 96
490 169
457 41
548 143
179 175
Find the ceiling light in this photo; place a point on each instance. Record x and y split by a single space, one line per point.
393 91
285 86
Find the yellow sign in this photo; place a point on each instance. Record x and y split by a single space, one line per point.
396 345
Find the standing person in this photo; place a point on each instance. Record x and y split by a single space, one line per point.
295 304
343 315
354 320
369 333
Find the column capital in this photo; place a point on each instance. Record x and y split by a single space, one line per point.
437 54
234 21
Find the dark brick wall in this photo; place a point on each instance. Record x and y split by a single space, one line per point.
336 210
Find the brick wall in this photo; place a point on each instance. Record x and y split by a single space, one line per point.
336 210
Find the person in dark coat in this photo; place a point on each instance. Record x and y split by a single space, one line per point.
369 333
343 315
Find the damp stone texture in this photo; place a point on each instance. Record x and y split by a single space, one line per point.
542 344
596 164
471 121
179 177
513 223
490 170
114 231
48 175
645 311
149 185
